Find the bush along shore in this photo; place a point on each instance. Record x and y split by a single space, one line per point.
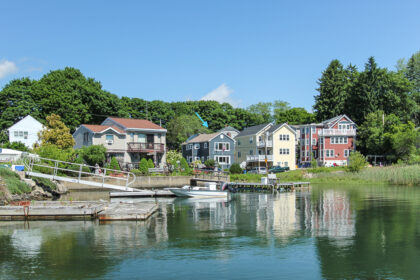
392 175
15 188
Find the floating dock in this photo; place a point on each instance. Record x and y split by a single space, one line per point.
78 210
128 211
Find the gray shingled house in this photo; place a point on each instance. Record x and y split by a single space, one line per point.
217 146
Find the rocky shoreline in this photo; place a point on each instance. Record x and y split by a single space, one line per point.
39 192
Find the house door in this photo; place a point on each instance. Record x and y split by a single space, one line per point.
150 140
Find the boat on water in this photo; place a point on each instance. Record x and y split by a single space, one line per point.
209 190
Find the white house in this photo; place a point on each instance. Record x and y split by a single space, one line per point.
25 131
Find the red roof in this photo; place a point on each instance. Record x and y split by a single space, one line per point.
136 123
100 128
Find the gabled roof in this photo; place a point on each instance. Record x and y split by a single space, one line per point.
136 123
102 128
205 137
276 127
228 128
253 129
28 117
331 122
202 138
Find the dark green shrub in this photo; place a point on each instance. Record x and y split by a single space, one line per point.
210 163
45 184
114 164
235 169
356 162
144 166
150 163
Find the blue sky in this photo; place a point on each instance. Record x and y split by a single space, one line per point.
242 52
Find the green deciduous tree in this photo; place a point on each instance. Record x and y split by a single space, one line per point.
92 155
150 163
235 169
294 116
144 166
56 133
182 127
114 164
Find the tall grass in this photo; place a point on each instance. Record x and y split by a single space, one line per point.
395 174
13 182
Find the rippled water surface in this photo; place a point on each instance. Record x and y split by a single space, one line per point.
325 233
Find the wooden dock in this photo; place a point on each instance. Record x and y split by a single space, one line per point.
260 187
78 210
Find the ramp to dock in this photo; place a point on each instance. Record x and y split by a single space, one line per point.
79 173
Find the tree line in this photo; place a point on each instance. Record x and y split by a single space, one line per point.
384 104
81 100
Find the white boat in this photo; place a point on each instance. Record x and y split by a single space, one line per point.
210 190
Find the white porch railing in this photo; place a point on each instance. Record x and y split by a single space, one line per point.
261 144
259 158
337 132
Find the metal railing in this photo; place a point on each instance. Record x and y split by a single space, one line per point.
337 132
77 173
259 158
261 144
145 147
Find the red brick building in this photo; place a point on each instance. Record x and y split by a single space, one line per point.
329 142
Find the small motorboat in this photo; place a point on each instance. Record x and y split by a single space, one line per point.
209 190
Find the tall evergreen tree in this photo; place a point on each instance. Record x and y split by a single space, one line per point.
332 91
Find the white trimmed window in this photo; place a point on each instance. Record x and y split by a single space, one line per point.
329 153
239 154
222 146
284 137
346 153
339 140
197 146
222 159
251 152
205 145
285 151
251 140
313 141
313 130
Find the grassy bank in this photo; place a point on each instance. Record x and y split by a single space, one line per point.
13 182
395 175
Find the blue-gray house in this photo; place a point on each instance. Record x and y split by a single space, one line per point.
217 146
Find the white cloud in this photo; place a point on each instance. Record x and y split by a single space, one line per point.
222 94
7 67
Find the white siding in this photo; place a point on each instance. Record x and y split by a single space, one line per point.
29 125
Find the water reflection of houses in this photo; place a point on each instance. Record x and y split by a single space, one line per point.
277 216
331 215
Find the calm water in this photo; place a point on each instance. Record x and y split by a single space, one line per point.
326 233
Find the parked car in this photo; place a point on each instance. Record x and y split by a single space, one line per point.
257 170
278 169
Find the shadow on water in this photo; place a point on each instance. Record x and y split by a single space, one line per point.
326 233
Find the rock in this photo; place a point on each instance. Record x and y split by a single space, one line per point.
60 188
39 194
30 182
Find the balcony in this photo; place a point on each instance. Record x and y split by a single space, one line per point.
337 132
261 144
138 147
259 158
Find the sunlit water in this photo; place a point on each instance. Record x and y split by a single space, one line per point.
326 233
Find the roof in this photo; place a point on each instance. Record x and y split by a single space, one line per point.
101 128
228 128
202 137
136 123
25 119
280 125
252 129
